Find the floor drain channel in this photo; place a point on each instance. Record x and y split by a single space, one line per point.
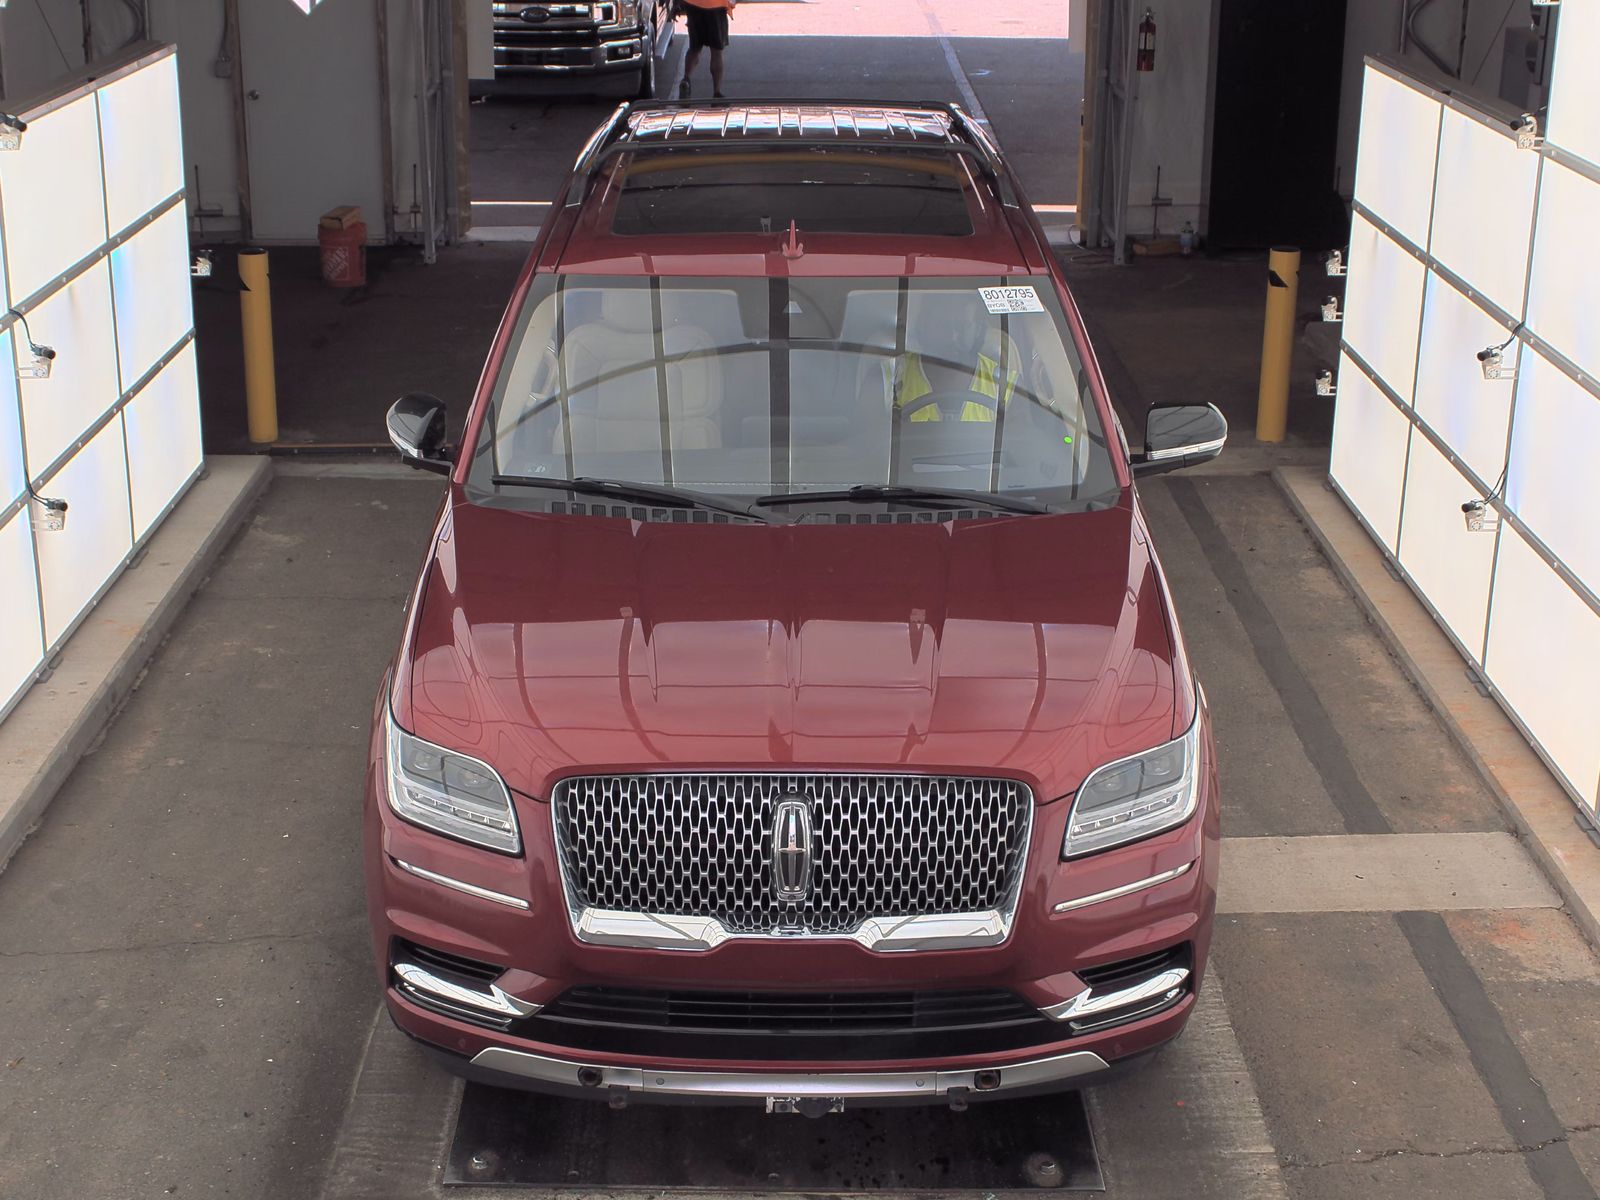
515 1139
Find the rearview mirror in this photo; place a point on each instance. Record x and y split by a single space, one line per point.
416 427
1180 435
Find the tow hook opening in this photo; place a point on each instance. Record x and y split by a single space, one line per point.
589 1076
986 1081
806 1106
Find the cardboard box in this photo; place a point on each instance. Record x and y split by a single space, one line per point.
342 217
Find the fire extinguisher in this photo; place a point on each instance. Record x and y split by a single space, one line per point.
1146 60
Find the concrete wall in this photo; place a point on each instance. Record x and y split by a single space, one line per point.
208 111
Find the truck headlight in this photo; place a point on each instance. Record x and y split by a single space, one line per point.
627 12
1136 797
449 793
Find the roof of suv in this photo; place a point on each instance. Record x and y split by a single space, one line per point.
712 189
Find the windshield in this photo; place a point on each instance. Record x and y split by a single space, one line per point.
750 387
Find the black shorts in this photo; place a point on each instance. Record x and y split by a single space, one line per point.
708 27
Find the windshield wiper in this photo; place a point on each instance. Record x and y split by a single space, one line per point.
626 489
866 492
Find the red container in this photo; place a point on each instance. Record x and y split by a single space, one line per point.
344 254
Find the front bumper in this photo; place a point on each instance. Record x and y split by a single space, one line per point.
1071 917
854 1087
572 53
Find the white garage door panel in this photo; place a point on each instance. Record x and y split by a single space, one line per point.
1483 208
83 382
75 562
1451 565
1383 305
151 283
1395 154
163 430
1574 82
21 644
1471 413
1564 290
141 134
51 197
1369 450
1543 644
1551 481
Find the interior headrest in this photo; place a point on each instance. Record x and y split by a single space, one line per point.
627 309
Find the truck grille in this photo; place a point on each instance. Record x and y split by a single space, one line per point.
880 846
513 18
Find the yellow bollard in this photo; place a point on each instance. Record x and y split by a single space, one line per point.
1277 343
260 373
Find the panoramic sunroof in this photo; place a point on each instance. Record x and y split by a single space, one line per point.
830 190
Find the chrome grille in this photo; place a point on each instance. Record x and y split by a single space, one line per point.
881 846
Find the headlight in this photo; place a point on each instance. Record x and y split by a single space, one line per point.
627 12
449 793
1135 797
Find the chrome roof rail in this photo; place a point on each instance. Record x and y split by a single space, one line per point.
931 124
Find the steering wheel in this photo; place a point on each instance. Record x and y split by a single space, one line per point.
950 403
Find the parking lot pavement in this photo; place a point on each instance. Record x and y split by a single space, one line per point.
190 1009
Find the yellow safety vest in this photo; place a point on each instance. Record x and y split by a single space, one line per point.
912 384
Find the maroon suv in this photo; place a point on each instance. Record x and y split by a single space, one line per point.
791 709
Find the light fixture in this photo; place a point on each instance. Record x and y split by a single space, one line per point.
1331 310
37 362
200 266
11 128
1325 385
1482 513
48 514
1492 359
1526 127
1335 263
1481 516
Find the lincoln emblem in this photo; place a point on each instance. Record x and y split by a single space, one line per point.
791 850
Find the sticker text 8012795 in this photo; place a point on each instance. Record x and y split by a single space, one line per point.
1011 299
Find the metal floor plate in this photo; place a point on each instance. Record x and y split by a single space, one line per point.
514 1139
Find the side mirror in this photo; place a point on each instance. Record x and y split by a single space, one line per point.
416 427
1180 435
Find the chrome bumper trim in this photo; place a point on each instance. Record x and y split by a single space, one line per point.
495 1002
1126 889
458 885
847 1085
1089 1003
654 931
599 60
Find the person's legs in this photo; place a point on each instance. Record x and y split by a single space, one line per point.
716 73
690 62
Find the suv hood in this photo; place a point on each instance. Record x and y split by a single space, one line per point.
1036 647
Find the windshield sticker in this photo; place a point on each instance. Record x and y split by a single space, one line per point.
1011 299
